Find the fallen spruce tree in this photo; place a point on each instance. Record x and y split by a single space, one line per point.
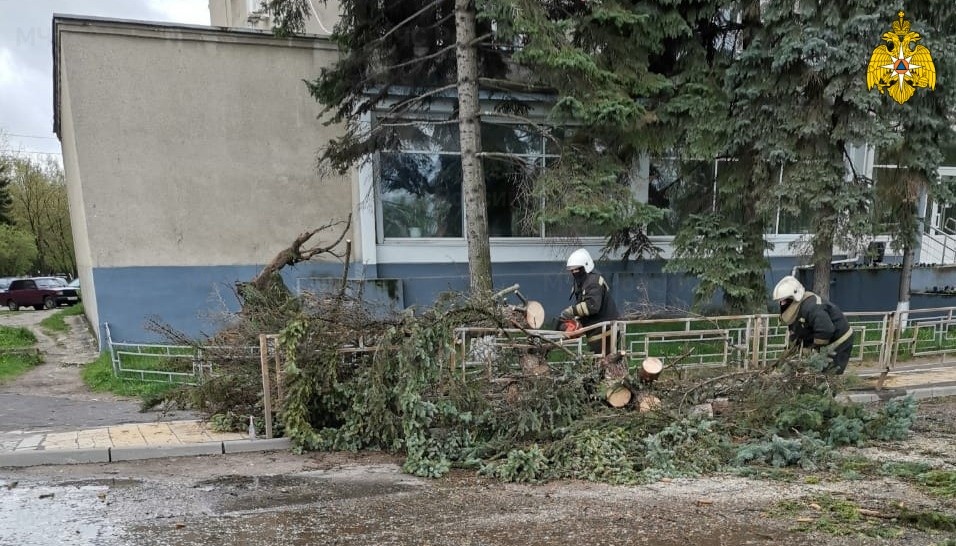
523 414
409 396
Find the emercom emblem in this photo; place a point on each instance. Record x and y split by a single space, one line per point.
900 65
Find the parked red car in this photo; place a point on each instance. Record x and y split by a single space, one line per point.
39 293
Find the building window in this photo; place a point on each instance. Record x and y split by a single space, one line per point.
419 180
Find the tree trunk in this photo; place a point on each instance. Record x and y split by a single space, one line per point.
906 274
822 256
473 178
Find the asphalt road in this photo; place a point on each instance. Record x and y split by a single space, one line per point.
28 412
53 396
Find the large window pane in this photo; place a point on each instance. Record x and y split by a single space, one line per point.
790 223
420 195
419 181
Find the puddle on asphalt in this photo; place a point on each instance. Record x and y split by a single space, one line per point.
75 514
103 482
244 493
313 525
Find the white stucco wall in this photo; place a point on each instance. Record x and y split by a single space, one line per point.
189 146
74 183
235 13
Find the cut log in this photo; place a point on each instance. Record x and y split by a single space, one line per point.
650 369
616 394
534 315
647 402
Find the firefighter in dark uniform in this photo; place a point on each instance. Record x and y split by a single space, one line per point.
591 295
815 322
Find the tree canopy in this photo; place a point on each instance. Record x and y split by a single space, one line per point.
771 94
5 199
40 208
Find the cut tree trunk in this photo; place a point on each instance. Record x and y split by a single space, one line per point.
650 369
614 366
617 394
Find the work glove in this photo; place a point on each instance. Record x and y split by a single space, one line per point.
567 313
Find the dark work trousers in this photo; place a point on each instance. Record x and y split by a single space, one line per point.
840 357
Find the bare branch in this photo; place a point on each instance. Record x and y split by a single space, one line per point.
295 253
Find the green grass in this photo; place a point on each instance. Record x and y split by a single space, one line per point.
99 376
14 337
837 516
56 322
940 483
15 354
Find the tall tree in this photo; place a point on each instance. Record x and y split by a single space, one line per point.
6 178
639 80
41 208
800 103
596 60
924 127
18 251
724 245
397 59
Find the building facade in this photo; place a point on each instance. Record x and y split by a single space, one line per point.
189 154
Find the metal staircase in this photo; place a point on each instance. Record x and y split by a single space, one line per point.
938 246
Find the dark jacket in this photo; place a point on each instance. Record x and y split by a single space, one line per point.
818 323
593 301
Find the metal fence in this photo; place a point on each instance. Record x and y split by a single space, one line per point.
167 363
883 339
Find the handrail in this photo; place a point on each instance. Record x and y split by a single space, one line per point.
932 233
946 224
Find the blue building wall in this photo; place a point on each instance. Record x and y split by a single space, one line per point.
197 300
191 300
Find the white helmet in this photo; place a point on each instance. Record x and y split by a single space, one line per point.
788 287
581 258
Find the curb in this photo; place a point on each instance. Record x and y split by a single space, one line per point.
118 454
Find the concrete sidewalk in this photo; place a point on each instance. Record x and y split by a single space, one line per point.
126 442
919 380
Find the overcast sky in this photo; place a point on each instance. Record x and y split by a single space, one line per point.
26 60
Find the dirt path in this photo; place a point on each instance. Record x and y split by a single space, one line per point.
63 358
53 396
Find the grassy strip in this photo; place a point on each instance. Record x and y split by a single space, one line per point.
16 355
99 376
12 365
16 337
56 323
